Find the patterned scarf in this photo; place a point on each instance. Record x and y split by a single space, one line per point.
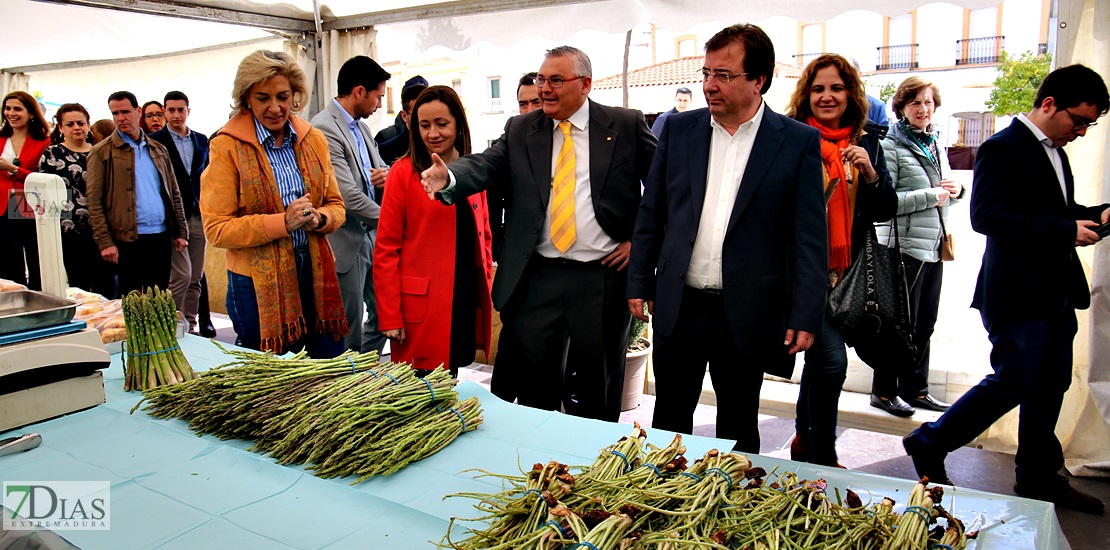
840 204
926 140
273 265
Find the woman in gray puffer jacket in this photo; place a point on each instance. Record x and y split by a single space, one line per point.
917 165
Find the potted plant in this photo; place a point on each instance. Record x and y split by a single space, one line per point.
635 366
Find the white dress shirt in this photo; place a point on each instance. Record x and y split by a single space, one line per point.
591 242
728 158
1051 150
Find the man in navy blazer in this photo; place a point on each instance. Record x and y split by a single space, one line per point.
551 299
1030 284
730 248
189 156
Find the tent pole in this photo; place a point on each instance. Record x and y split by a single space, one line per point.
624 70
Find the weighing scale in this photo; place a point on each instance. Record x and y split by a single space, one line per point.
49 364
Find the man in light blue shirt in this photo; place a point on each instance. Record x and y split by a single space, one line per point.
188 152
359 171
133 200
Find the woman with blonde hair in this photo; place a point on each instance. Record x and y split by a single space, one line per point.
830 97
24 135
68 158
917 165
270 198
433 263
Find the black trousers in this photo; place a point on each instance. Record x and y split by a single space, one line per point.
85 267
702 336
1032 362
555 303
12 266
145 262
912 380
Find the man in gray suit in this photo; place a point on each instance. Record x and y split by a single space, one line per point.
358 169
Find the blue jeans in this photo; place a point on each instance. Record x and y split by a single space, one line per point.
242 308
826 367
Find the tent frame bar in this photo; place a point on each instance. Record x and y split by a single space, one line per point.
439 11
200 13
97 62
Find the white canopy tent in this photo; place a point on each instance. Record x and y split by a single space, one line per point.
205 38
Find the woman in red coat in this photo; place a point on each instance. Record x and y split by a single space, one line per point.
24 135
432 262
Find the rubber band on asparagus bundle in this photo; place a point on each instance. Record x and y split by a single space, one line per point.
563 532
461 419
921 512
433 392
627 465
723 474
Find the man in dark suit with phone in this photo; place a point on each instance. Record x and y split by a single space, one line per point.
730 249
1030 284
571 177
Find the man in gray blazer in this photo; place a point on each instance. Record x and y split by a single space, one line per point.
570 175
358 170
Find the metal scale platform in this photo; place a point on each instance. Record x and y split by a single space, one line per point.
49 364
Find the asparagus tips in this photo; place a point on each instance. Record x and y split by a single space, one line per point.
344 417
153 356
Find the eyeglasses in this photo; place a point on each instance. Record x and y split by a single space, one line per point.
555 81
1081 123
150 116
720 76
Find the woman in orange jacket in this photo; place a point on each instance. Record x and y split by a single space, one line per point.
269 198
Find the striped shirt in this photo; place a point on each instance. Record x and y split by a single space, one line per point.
283 161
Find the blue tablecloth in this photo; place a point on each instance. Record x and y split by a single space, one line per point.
173 489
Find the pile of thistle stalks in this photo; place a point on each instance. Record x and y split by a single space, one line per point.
347 416
635 496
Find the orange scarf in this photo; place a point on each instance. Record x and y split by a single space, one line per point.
273 265
840 204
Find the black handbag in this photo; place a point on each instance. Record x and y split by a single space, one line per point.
871 304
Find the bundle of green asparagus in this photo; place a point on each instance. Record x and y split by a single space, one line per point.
350 415
153 357
632 498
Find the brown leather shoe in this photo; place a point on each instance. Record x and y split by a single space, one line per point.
1064 495
798 453
797 449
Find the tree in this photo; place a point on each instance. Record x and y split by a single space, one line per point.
887 92
1017 82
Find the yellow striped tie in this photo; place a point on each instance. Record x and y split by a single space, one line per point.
562 194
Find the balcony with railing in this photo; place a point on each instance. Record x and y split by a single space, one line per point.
903 56
803 59
1042 48
972 51
493 105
